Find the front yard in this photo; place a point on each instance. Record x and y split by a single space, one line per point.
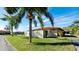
40 44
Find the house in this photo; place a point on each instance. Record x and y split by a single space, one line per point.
46 32
19 32
2 32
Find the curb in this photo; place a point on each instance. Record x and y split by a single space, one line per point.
9 45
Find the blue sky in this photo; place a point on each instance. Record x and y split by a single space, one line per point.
63 17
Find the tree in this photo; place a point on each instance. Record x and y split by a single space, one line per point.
30 13
74 27
7 28
12 22
76 22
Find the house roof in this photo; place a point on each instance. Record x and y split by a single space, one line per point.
3 31
49 28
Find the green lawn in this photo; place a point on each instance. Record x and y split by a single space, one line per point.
39 44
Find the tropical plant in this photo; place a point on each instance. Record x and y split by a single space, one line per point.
12 23
76 22
74 27
30 13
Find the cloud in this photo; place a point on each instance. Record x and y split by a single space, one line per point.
67 18
62 17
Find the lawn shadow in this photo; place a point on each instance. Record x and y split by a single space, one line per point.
57 43
50 37
62 36
25 37
75 43
69 36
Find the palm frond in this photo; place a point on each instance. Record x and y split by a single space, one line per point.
40 10
35 22
4 19
40 21
11 10
76 22
16 25
20 15
48 15
7 17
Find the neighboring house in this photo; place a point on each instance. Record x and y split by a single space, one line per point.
2 32
19 32
46 32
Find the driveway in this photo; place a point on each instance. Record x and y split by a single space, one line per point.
5 45
75 42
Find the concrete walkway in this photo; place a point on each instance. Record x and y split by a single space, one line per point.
5 45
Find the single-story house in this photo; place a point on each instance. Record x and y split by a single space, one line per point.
18 32
3 32
46 32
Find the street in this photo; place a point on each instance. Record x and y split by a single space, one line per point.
5 46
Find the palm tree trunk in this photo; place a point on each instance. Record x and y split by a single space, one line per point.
30 30
12 31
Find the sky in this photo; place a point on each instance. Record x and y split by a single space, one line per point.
63 17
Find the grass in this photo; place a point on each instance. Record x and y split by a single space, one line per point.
40 44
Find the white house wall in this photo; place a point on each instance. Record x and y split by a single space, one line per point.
39 33
52 33
26 33
36 33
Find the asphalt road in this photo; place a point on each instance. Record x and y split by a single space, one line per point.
5 45
75 42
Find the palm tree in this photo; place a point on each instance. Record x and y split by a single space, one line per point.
12 22
76 22
74 27
30 13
